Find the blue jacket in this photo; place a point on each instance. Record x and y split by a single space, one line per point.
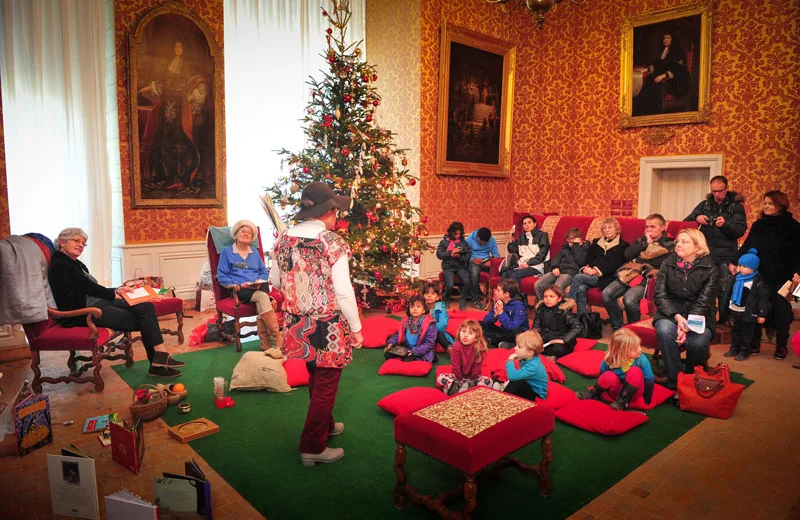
439 313
514 316
233 269
644 365
489 249
531 371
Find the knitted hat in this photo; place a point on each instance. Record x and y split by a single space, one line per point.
242 223
750 259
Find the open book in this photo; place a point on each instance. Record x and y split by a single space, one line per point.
124 505
182 496
73 483
272 213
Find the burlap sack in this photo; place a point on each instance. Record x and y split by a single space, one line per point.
257 371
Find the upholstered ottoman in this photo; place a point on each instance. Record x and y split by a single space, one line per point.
473 432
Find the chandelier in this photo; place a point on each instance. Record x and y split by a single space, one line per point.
537 7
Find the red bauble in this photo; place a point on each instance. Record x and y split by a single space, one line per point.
347 98
368 214
416 259
364 78
378 275
374 77
345 151
424 219
329 30
306 169
412 182
332 59
384 248
376 103
324 13
369 118
328 176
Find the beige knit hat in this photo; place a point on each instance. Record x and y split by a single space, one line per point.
239 225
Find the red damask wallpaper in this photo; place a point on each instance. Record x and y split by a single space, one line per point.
163 224
569 156
5 222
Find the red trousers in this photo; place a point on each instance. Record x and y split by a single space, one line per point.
323 383
613 384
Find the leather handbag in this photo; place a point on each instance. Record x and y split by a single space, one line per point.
709 393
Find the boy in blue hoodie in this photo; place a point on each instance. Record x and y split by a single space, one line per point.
483 248
509 310
529 381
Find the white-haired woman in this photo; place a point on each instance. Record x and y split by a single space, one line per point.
241 268
686 284
74 288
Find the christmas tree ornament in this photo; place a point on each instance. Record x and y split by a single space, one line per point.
365 78
345 151
376 103
329 30
332 59
404 162
306 169
417 259
412 182
358 51
338 113
374 77
347 98
424 220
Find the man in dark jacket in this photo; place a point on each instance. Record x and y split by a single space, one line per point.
647 253
722 220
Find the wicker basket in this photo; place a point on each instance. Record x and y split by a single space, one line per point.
153 409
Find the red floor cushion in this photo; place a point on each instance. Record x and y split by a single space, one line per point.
558 396
499 424
644 329
409 400
585 363
496 359
377 329
584 344
456 318
398 367
598 417
296 372
661 394
554 373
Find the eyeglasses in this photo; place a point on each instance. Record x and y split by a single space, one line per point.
723 190
78 240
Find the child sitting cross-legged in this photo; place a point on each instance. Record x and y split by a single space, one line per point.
530 379
509 310
467 357
417 333
625 373
556 322
438 309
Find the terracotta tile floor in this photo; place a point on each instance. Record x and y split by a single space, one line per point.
747 467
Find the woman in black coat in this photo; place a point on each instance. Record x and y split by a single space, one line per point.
686 284
776 236
556 322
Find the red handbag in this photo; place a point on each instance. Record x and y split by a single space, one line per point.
709 393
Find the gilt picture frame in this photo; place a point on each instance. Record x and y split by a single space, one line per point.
665 66
175 87
476 100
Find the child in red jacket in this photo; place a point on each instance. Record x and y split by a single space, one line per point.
467 357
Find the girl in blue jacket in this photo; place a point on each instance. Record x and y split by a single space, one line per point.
438 309
529 381
509 310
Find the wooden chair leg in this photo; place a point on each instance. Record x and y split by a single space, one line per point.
470 496
545 484
238 329
71 362
179 315
97 360
37 374
400 455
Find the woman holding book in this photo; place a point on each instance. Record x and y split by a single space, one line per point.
74 288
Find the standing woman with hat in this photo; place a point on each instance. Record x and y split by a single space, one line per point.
310 266
242 269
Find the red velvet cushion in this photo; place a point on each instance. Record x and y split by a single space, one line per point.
411 399
558 396
644 329
296 372
584 344
166 306
594 296
527 283
399 367
456 318
377 329
597 417
661 394
554 373
226 306
496 359
585 363
68 338
514 422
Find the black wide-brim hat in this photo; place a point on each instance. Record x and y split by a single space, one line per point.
317 199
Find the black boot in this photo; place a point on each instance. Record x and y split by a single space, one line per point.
732 352
780 352
593 392
625 396
744 353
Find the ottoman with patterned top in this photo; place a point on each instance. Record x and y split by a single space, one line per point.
473 432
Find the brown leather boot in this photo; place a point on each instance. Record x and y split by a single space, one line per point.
270 334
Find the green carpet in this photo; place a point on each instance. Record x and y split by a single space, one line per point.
256 449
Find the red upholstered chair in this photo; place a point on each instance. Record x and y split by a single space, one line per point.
167 306
227 298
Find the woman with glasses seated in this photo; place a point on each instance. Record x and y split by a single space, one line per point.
242 269
74 288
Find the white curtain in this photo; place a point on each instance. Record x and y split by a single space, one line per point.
271 48
52 70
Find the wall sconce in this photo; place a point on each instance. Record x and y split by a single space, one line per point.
537 7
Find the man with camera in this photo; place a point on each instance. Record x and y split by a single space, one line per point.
722 220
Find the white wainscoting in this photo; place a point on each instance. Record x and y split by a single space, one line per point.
179 263
430 266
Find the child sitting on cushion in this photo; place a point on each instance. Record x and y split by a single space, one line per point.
625 373
530 379
748 302
467 357
438 309
417 333
509 310
556 323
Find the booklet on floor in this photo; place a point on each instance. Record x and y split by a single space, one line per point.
183 496
73 484
124 505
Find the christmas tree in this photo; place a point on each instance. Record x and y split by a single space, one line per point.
346 149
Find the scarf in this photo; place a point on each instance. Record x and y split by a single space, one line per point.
607 244
738 286
683 265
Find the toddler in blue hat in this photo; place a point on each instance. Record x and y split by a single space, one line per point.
748 303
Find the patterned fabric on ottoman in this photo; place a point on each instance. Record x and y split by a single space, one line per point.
644 329
470 432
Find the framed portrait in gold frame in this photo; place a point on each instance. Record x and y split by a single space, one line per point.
176 110
665 73
476 98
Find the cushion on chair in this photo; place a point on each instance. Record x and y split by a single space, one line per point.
166 306
584 344
377 329
558 396
585 363
398 367
594 296
597 417
68 338
296 372
554 373
245 309
644 329
527 283
409 400
661 394
500 424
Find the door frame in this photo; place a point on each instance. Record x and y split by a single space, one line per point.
649 165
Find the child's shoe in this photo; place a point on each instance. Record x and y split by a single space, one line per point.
454 388
463 305
625 395
732 352
742 356
593 392
497 385
780 352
